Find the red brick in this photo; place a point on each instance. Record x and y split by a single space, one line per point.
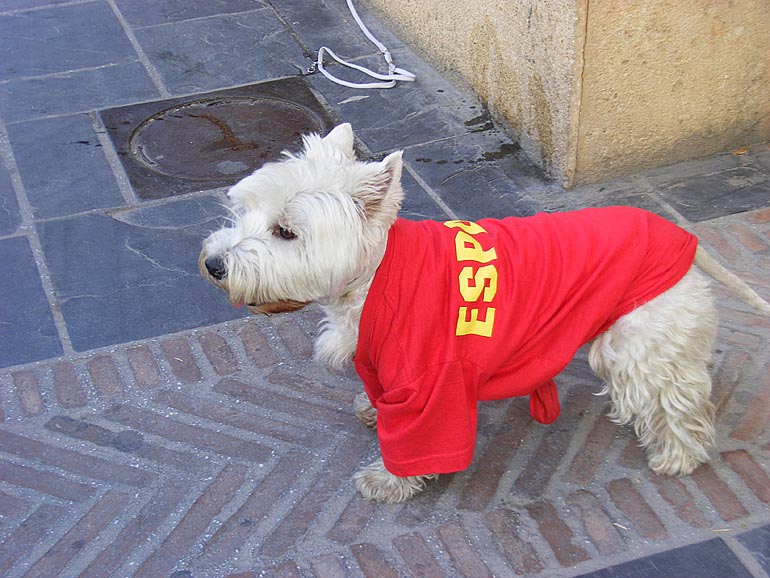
285 570
190 529
128 441
759 217
104 376
422 509
495 460
236 529
372 562
757 412
719 494
79 429
353 520
748 238
144 367
556 533
634 507
339 468
51 484
549 454
462 552
676 494
330 566
87 529
11 505
633 455
257 346
521 556
593 452
138 531
218 353
267 399
739 340
597 523
725 251
180 358
744 319
222 444
416 554
293 336
301 384
84 465
225 414
29 534
28 390
750 472
728 377
69 392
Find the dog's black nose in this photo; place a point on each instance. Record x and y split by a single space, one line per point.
216 267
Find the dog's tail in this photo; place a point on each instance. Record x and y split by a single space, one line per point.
715 269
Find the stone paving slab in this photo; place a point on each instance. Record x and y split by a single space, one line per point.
148 429
129 274
62 166
24 304
208 53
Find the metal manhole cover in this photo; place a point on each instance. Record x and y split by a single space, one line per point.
212 140
221 137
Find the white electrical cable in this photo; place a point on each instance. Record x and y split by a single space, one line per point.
394 75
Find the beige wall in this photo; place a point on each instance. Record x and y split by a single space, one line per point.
667 80
516 54
600 88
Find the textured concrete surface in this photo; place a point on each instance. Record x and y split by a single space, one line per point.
148 429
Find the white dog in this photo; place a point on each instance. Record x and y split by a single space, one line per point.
441 315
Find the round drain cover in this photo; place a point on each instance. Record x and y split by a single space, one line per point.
210 139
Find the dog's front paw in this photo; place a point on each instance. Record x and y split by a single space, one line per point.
364 410
376 483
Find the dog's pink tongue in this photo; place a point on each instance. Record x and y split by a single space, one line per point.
238 304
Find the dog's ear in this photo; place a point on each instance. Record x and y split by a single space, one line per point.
341 138
380 195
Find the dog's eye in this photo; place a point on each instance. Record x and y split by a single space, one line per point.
284 233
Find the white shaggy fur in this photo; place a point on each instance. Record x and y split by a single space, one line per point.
314 227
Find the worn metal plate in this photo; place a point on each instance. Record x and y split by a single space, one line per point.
211 140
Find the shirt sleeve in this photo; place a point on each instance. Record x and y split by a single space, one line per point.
428 426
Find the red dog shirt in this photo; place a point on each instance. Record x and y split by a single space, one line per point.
460 312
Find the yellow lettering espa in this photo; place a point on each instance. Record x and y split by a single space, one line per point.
472 325
468 248
476 285
484 283
468 226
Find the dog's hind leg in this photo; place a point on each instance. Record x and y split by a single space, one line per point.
376 483
655 362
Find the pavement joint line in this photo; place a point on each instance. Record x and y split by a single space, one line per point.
108 148
30 233
45 6
743 554
152 72
431 193
59 74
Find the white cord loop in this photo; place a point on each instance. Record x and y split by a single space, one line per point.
394 75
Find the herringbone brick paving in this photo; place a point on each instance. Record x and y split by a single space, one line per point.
226 451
